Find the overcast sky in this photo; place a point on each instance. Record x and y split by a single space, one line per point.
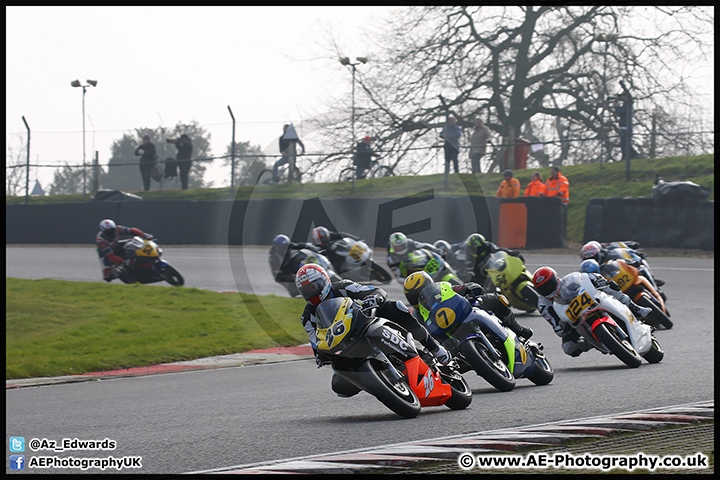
160 66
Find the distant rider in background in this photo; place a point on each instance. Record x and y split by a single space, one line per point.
478 253
399 246
282 266
110 250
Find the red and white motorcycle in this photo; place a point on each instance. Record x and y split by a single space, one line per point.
605 322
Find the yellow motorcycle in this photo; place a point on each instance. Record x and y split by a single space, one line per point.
145 265
507 275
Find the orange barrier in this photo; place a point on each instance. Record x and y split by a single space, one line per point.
512 229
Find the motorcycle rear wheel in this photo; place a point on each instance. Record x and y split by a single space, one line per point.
657 315
172 276
397 396
495 372
655 354
379 274
621 348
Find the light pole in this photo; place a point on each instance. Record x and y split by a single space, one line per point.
76 83
605 38
346 61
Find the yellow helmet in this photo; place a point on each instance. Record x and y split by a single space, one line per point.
414 283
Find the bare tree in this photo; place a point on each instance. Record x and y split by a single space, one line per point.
15 167
543 66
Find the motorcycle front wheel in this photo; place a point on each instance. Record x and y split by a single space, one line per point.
396 395
461 392
655 354
172 276
543 372
620 347
483 362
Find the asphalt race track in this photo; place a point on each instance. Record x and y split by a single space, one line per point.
192 421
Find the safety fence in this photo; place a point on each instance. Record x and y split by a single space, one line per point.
25 166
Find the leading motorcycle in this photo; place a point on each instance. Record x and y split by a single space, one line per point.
605 322
507 275
479 341
144 264
381 358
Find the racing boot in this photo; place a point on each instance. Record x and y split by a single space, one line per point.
441 354
521 331
639 312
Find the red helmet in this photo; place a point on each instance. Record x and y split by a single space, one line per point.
545 280
320 236
313 283
591 250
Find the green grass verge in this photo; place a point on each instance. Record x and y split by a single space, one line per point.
56 327
586 181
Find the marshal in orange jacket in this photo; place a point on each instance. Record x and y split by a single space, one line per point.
558 187
536 188
509 189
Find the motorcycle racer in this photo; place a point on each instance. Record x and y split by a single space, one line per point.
331 243
479 251
399 246
314 285
494 302
547 284
604 252
281 260
110 250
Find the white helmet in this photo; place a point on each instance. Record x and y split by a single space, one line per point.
107 227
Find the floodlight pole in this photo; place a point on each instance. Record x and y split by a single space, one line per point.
346 61
76 83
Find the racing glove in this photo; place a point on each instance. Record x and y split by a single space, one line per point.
370 302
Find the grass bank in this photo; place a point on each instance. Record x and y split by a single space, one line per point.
586 181
56 327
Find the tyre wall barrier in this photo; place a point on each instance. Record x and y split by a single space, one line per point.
650 223
424 217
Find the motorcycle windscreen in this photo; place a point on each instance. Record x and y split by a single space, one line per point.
335 320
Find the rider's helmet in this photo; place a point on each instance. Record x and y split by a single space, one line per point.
444 247
414 283
590 266
477 246
591 250
280 244
398 243
545 281
107 227
313 283
320 236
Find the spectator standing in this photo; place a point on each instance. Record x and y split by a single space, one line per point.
558 186
478 144
536 187
184 147
451 134
510 187
624 113
363 157
288 150
147 155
